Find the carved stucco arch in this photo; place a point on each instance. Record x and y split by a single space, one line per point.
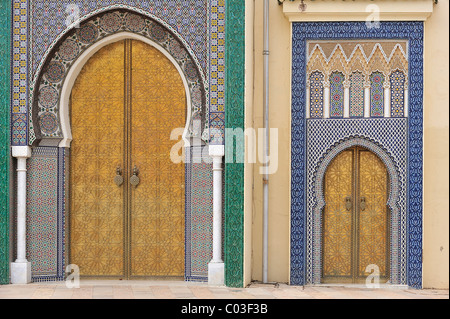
392 203
55 76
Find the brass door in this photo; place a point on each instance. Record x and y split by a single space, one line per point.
127 197
356 217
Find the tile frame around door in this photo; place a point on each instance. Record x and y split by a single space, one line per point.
301 32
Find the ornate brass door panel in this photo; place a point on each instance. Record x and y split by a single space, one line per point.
98 127
127 197
157 208
337 221
373 215
356 217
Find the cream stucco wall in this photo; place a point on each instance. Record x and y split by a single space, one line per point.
248 168
436 203
279 183
436 157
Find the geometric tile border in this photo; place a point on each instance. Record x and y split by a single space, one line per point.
411 31
19 74
199 218
45 213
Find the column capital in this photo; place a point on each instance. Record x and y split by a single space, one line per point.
21 151
217 150
347 84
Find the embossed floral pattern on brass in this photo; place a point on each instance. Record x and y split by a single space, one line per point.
125 103
337 218
96 216
356 217
157 206
373 220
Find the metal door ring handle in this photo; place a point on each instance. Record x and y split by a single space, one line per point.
348 203
363 204
119 178
135 180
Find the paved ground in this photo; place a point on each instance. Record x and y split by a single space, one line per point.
185 290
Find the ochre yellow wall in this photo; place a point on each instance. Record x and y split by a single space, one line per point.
436 208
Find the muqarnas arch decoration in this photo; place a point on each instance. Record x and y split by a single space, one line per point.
48 121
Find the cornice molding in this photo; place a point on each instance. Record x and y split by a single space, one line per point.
359 10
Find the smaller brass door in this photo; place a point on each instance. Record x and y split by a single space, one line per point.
356 218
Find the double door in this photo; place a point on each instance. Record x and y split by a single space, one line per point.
356 218
127 203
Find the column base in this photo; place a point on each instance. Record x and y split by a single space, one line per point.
20 273
216 274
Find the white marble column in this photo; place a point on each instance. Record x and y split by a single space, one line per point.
387 99
367 99
346 99
326 99
216 268
21 268
406 101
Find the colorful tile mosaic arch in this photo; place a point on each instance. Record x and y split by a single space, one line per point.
39 27
189 18
95 29
325 140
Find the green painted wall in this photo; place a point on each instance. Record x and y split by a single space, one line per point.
235 118
5 87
